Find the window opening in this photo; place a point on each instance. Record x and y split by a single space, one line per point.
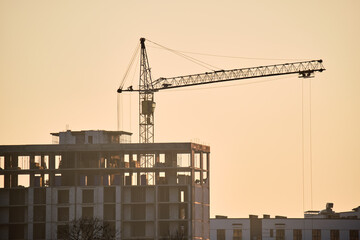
205 161
184 177
354 234
127 179
63 214
220 234
109 211
197 177
2 162
2 181
197 160
183 160
237 234
46 161
109 194
87 195
134 179
161 178
297 234
57 161
24 180
87 212
334 235
63 196
39 213
163 194
23 162
205 177
138 212
280 234
316 234
37 163
138 195
183 194
162 157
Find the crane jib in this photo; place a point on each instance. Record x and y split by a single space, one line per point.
304 69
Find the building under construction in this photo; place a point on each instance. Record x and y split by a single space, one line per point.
143 191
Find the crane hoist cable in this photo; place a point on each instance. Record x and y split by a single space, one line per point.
120 115
135 70
310 148
238 57
192 59
135 53
307 155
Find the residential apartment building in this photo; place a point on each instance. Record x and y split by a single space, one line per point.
143 191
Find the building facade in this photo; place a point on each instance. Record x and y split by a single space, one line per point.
316 225
143 191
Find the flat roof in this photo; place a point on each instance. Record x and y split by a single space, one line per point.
83 131
138 147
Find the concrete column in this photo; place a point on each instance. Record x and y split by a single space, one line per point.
32 166
78 202
99 202
325 234
156 222
42 162
138 178
118 214
53 213
208 169
344 234
191 204
14 165
72 202
49 208
30 217
7 165
51 167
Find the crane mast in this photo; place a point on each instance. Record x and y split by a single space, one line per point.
147 87
146 99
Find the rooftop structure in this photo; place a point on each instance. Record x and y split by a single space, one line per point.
46 186
329 213
92 137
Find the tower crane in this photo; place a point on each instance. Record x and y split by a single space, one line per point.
147 87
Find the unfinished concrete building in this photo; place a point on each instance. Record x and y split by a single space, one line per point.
143 191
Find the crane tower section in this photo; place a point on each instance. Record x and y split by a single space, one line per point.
146 99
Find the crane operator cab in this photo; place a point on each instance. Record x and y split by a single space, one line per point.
148 108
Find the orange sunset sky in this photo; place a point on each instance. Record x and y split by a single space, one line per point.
61 63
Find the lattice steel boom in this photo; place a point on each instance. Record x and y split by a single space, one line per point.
304 69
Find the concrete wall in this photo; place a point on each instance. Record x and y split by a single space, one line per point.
288 225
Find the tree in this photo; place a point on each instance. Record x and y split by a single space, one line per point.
86 229
178 234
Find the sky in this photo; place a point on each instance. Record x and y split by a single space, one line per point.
279 146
